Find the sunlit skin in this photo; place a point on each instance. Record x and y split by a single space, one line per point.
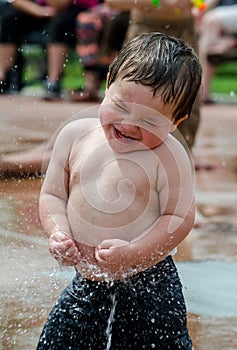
120 201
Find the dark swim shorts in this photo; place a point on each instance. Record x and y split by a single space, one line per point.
145 311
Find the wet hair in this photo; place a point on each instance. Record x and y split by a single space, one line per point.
166 64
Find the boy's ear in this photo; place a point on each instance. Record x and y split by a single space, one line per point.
172 127
181 120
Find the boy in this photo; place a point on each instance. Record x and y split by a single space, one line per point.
117 199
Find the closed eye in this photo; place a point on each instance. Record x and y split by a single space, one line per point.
150 123
120 106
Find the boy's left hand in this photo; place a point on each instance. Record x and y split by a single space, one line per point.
113 255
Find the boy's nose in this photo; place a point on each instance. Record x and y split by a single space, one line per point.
129 127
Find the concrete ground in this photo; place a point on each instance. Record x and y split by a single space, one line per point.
31 280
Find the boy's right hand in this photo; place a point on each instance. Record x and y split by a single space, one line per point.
63 249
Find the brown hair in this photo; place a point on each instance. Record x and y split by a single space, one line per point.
166 64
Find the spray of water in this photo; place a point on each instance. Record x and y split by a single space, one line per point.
110 321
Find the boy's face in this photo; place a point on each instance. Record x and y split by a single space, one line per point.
133 119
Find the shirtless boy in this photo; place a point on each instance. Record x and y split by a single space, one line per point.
117 199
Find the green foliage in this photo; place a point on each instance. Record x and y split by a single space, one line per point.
73 77
225 80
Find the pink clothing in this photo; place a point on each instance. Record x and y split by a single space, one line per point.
41 2
86 3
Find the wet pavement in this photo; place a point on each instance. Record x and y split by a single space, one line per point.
207 260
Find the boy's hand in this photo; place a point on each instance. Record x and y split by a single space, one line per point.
113 256
63 249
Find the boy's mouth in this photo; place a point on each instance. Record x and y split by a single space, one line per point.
121 135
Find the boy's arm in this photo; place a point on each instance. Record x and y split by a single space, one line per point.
176 194
53 201
54 191
175 188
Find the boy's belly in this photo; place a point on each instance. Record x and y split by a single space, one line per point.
94 221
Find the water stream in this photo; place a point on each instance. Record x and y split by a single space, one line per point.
110 321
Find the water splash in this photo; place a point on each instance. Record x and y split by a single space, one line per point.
110 321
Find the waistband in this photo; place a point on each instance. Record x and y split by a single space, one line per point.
159 271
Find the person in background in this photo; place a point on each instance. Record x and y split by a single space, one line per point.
116 201
56 21
19 18
217 27
100 35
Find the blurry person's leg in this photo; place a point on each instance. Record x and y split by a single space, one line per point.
61 39
11 21
15 26
57 55
89 29
208 74
7 59
216 37
217 30
99 38
210 34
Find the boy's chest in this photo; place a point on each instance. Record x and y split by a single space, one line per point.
110 191
99 169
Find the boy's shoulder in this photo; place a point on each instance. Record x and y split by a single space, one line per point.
175 147
73 130
78 127
81 123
